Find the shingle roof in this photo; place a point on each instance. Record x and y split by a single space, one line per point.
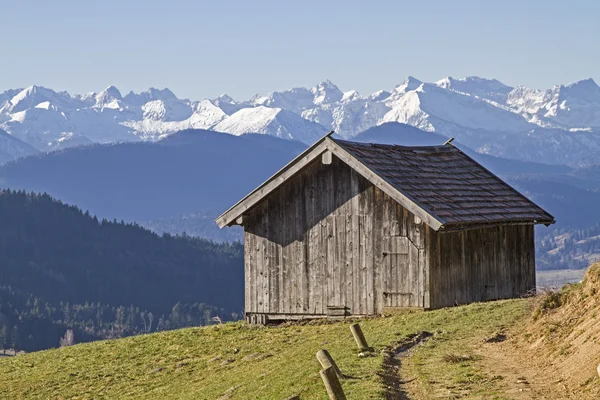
447 184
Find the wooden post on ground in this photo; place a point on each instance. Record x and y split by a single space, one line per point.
332 384
327 361
359 338
294 397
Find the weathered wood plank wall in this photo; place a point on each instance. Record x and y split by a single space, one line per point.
329 238
481 264
319 241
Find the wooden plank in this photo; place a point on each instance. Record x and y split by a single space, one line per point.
248 271
324 195
340 261
413 283
361 282
281 293
258 266
311 246
424 269
356 260
271 254
379 270
324 269
531 259
293 265
369 286
266 259
287 253
466 272
300 236
502 263
331 300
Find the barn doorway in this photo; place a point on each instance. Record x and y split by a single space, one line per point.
402 278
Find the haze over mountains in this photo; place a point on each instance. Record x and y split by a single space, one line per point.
182 182
559 125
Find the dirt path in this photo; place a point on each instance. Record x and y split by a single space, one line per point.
524 375
397 388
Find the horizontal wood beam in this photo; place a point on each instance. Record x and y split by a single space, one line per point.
455 228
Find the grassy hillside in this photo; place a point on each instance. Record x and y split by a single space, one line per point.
237 361
547 347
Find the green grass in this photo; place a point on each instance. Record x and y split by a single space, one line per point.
188 363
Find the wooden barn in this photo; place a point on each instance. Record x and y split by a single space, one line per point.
352 229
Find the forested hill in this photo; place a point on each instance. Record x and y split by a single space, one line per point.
61 268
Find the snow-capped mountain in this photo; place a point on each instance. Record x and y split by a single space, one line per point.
574 106
490 89
487 115
430 107
271 121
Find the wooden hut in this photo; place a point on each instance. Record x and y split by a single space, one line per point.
349 229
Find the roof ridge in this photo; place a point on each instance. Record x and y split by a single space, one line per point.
394 145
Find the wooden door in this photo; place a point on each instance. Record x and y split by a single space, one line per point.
403 283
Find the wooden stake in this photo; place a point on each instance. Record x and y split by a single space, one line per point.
327 361
359 338
332 384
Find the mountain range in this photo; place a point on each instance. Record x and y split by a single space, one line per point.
560 125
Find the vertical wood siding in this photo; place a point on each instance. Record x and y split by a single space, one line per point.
319 241
481 264
329 238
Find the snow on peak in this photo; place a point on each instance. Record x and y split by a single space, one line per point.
227 104
410 83
576 105
34 95
225 98
109 98
491 89
295 100
379 95
151 94
111 92
351 95
326 92
434 108
45 105
271 121
161 110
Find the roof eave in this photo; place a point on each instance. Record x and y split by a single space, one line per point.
480 225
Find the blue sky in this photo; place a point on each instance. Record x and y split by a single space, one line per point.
205 48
